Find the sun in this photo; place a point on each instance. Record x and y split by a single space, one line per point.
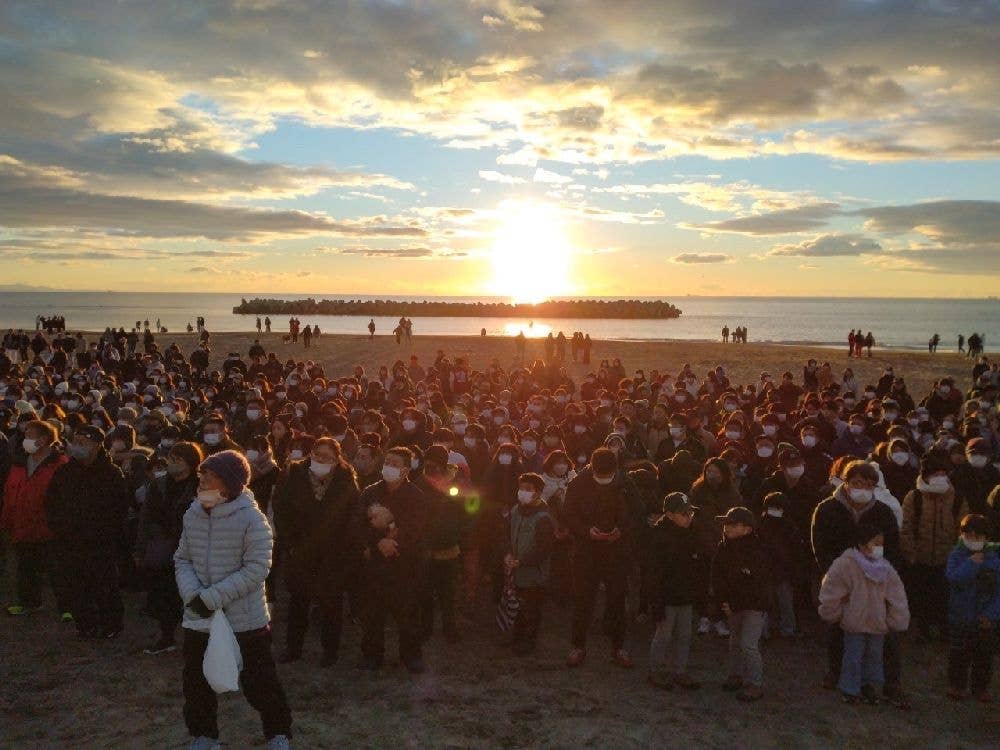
531 253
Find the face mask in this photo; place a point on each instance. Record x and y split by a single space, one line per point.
159 474
877 553
300 414
945 390
210 498
409 425
279 394
29 445
470 442
579 429
978 460
176 469
459 429
506 459
900 459
770 430
391 473
676 432
939 484
974 546
765 452
319 469
74 404
857 429
78 452
253 414
212 438
529 446
730 406
860 496
775 512
795 471
733 434
525 496
809 441
604 480
295 455
890 416
560 469
252 455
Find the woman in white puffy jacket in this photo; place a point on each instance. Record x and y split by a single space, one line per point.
885 497
221 562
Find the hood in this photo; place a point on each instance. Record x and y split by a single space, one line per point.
243 500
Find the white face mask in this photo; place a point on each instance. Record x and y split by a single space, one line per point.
900 459
795 471
252 455
560 469
470 442
253 414
775 512
978 460
857 429
765 452
459 429
770 430
676 432
939 484
525 496
506 459
809 441
860 495
30 445
529 446
391 473
409 425
579 429
877 553
295 455
159 474
212 438
318 468
210 498
604 480
733 434
974 546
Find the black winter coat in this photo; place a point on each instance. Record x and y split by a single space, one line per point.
87 505
740 574
676 557
834 530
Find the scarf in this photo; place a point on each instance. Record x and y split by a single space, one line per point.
874 570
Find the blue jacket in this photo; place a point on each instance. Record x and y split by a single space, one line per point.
972 593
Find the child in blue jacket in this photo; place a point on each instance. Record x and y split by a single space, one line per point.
973 610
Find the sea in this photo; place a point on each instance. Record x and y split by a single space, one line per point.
895 323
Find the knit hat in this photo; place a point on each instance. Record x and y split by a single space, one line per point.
231 467
933 462
603 462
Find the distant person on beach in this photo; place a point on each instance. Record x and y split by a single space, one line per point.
371 330
267 324
850 343
520 343
961 344
258 324
588 345
869 343
932 345
725 334
307 336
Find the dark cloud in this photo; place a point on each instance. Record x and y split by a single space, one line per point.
785 221
829 246
948 222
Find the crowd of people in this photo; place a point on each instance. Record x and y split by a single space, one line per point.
423 493
738 335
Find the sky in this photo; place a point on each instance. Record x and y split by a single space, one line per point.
502 147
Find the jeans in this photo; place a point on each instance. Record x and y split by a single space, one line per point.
673 630
892 658
784 599
971 648
258 680
745 628
589 570
862 663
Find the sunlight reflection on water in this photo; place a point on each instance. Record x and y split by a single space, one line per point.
531 329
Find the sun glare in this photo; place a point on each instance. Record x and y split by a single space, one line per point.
531 254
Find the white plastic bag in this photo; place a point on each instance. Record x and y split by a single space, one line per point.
223 661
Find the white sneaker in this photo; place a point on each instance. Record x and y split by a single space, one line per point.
721 629
704 626
204 743
278 742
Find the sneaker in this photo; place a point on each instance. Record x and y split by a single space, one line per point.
750 693
576 657
850 700
278 742
721 629
19 610
663 682
66 617
204 743
733 683
704 626
870 695
685 681
622 659
162 646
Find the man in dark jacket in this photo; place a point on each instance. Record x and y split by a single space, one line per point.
596 514
975 479
314 508
834 529
394 560
86 505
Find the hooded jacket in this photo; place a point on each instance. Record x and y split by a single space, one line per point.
224 556
975 587
835 526
930 525
867 598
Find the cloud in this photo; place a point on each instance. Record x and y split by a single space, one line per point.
522 16
830 246
550 178
785 221
716 197
699 258
405 252
947 222
491 175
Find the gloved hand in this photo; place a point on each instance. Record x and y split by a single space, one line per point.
198 606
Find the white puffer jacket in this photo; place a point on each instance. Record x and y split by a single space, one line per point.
224 557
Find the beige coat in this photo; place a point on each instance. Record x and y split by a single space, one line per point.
929 538
858 603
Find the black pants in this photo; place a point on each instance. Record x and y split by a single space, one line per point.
561 576
258 680
892 658
972 648
529 615
388 594
440 585
97 600
330 608
36 562
591 568
927 591
164 601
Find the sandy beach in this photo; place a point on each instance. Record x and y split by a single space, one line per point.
60 692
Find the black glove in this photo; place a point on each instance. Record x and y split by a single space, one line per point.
198 606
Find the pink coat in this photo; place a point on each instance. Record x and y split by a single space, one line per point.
860 604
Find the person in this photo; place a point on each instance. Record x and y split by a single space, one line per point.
595 514
258 324
528 559
371 330
676 554
931 516
393 567
973 610
267 324
86 505
782 539
315 506
160 521
222 560
961 344
24 520
741 587
863 595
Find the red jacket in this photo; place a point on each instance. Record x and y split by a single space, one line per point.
24 501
